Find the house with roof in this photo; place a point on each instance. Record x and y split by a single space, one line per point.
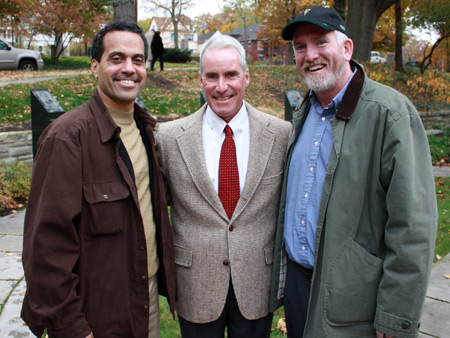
187 37
256 45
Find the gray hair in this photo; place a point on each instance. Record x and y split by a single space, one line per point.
220 41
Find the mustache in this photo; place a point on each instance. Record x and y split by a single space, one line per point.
132 78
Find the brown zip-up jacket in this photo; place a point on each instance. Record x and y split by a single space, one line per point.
84 252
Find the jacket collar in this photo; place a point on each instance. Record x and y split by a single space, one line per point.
351 96
106 125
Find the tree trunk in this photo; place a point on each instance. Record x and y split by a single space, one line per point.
125 10
398 37
362 17
175 32
340 6
448 56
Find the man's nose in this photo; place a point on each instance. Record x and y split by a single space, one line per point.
311 53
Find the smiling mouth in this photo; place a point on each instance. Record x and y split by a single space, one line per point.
127 81
224 98
315 68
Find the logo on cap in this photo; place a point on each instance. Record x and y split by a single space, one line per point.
306 11
342 27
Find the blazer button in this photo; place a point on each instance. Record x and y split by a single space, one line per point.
231 228
144 277
226 262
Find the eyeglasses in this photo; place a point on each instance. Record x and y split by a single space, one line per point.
228 78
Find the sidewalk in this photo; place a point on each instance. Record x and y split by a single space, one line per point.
435 319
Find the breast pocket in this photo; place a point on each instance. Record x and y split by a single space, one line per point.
107 210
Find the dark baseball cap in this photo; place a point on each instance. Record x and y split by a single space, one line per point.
323 17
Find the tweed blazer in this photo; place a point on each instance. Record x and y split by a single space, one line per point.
209 248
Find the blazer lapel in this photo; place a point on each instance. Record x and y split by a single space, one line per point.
261 143
191 149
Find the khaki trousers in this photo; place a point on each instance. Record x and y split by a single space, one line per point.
153 328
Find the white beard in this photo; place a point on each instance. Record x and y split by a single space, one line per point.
324 81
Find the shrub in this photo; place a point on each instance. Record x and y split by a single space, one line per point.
15 181
177 55
440 148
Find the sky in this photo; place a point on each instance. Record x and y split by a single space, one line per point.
198 7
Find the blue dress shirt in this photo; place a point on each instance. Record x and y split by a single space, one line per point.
307 171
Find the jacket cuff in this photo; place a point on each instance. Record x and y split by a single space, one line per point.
397 326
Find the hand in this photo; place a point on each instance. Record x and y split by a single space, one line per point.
382 335
91 335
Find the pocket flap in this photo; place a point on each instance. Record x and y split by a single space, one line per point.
105 191
183 256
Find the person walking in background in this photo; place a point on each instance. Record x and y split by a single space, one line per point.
149 36
157 51
97 239
358 211
223 166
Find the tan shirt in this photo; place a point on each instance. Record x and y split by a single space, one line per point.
132 141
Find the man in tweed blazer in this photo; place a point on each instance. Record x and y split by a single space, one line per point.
223 265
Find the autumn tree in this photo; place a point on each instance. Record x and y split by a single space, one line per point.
175 9
223 22
64 20
362 17
125 10
10 16
275 14
202 23
432 14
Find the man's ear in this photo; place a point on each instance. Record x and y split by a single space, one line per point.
94 68
348 49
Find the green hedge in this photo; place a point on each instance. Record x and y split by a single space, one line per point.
177 55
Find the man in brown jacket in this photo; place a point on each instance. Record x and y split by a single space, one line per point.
97 241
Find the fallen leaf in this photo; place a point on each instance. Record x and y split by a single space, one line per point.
438 257
22 294
447 275
281 325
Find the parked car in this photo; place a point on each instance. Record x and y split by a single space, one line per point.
17 58
375 57
413 63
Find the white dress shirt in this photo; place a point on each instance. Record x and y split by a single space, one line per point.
213 135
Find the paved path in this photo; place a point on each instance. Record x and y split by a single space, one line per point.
435 319
39 78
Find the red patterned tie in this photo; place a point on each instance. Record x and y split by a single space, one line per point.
228 174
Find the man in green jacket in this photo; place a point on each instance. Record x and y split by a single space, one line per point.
358 209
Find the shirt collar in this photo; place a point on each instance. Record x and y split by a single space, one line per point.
217 124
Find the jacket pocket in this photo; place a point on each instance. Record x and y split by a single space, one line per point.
268 253
183 256
271 180
107 210
351 286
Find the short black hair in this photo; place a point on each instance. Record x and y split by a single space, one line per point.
97 45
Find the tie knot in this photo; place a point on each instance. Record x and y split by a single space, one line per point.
228 130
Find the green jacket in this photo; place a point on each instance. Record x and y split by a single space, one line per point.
377 219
